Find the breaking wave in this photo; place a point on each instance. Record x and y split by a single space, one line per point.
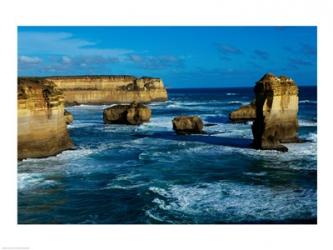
230 202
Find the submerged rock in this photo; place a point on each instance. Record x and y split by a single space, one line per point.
68 117
133 114
276 112
187 125
244 113
41 123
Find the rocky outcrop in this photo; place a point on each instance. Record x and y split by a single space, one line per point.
110 89
187 125
276 112
40 119
68 117
133 114
244 113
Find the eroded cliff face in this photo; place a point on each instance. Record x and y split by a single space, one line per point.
276 112
40 117
110 89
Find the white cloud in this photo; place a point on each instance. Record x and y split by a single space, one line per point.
29 60
66 60
62 43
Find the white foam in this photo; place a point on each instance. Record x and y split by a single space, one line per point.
312 137
307 123
236 102
157 124
29 181
235 202
308 101
229 94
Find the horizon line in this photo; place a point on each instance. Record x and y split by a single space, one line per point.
221 87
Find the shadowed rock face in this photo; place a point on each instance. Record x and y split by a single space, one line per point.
276 112
134 114
68 117
244 113
110 89
187 125
41 124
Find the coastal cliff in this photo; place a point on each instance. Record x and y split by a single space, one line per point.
110 89
42 128
276 112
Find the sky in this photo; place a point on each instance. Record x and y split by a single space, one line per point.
184 57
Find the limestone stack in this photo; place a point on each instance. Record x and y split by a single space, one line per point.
276 112
187 125
244 113
110 89
133 114
40 115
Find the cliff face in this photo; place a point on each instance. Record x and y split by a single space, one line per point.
276 112
110 89
40 115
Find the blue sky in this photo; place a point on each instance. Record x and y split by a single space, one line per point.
182 56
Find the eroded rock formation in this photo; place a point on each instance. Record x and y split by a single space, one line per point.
110 89
68 117
41 124
187 125
244 113
133 114
276 112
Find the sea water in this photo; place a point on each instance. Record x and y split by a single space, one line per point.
148 174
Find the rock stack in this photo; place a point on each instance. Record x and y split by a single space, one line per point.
244 113
276 112
187 125
133 114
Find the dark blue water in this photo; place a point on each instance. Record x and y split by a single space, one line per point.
147 174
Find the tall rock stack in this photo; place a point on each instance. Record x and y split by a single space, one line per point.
41 123
276 112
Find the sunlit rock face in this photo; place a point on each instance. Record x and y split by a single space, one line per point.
41 124
187 125
133 114
276 112
110 89
244 113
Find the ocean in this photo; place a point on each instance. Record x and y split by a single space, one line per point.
121 174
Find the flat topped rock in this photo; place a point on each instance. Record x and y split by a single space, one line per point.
244 113
187 125
132 114
270 84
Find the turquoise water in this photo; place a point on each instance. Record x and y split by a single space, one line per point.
148 174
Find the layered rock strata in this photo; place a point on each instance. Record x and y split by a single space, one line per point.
244 113
276 112
133 114
187 125
110 89
40 118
